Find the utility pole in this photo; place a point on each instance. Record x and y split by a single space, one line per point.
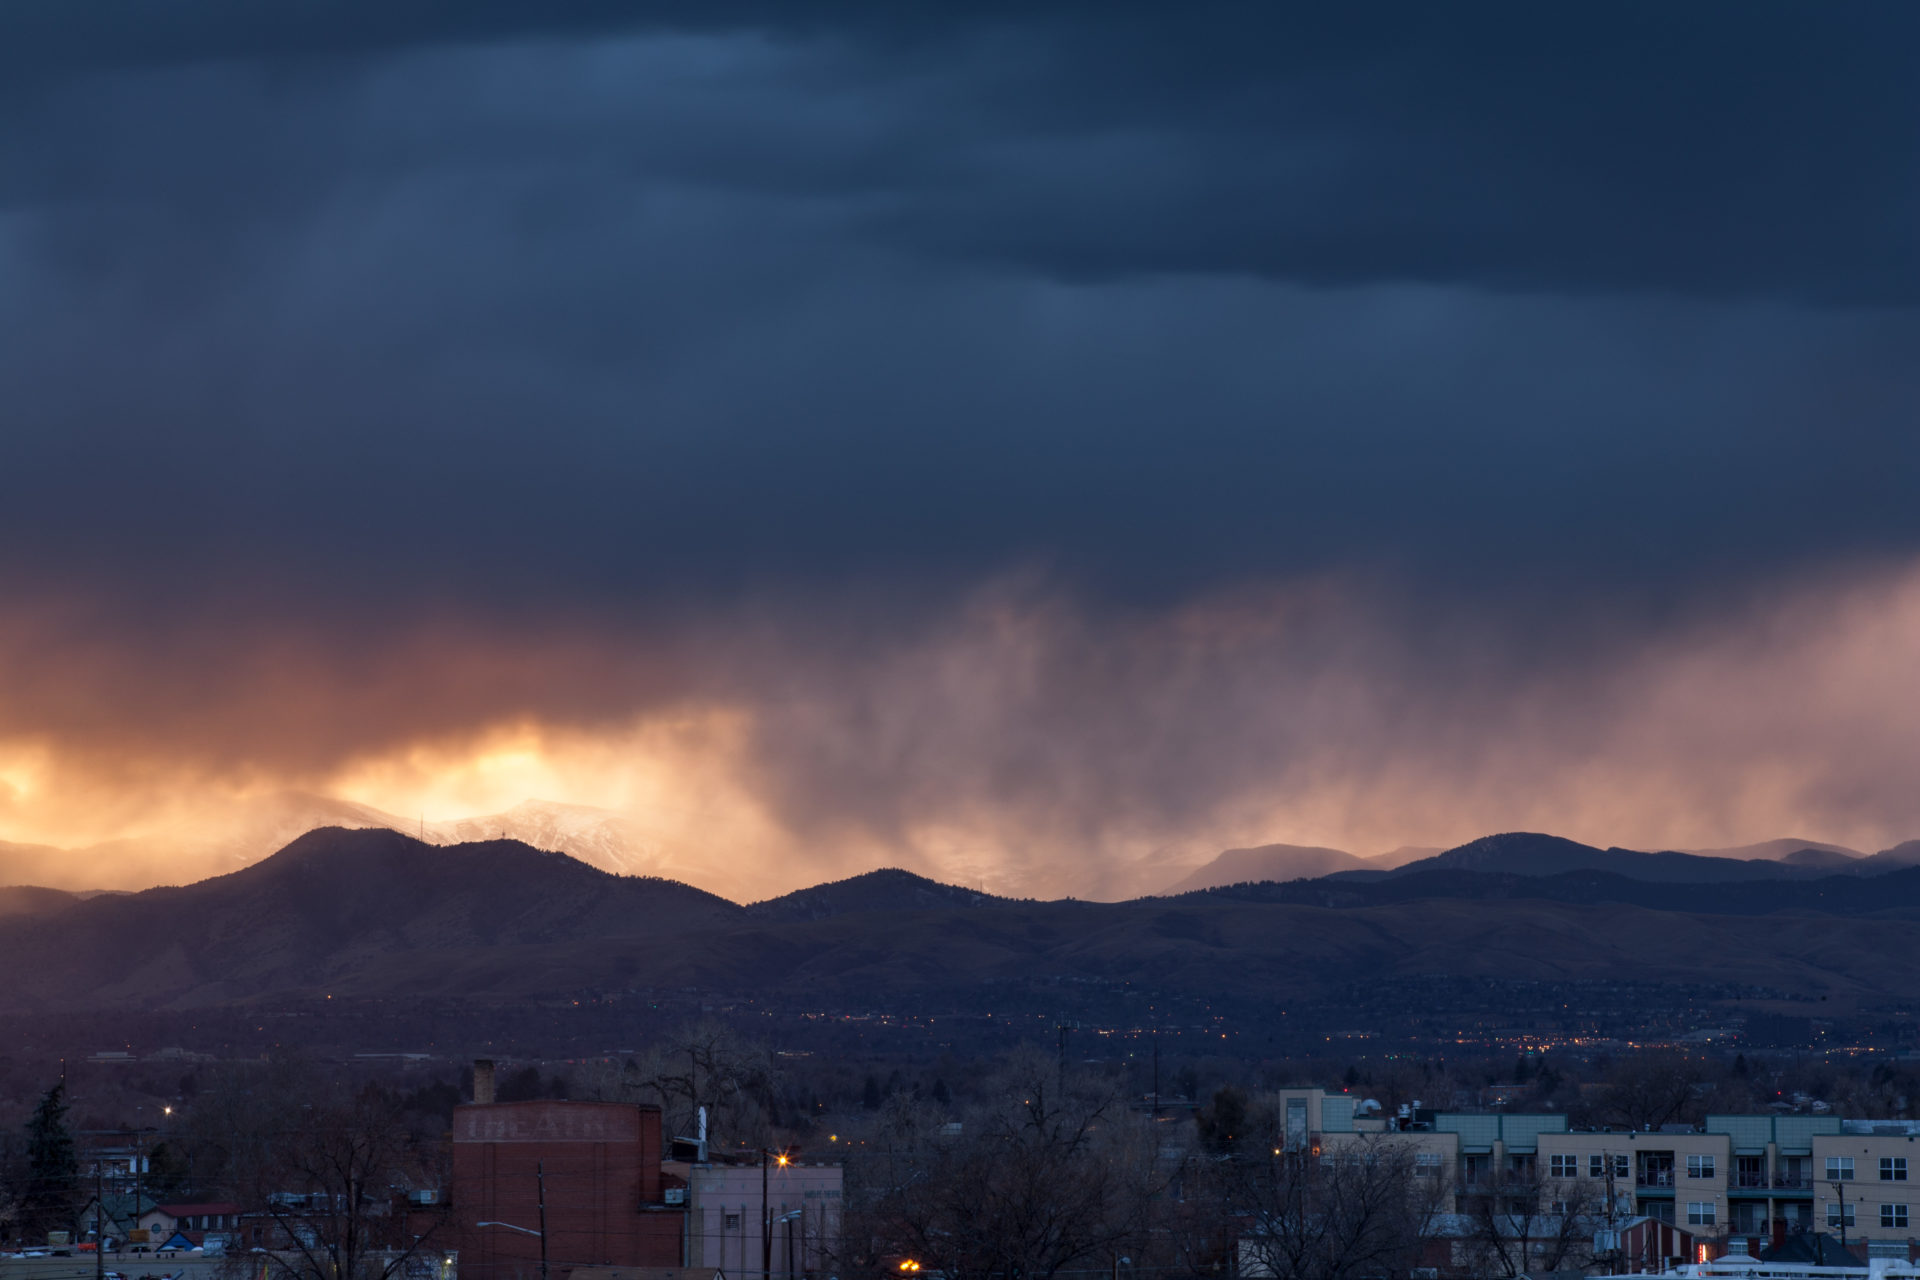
99 1227
1065 1025
1060 1086
1613 1231
766 1221
1156 1068
540 1176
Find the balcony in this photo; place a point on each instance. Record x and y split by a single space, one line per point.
1654 1178
1793 1181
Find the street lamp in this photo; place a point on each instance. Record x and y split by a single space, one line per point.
782 1159
789 1217
540 1176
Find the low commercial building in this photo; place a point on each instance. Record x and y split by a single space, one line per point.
744 1216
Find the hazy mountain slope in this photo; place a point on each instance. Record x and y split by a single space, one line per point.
1268 862
1775 850
598 837
1821 861
602 838
246 832
887 890
31 900
1906 854
1393 859
1533 854
35 864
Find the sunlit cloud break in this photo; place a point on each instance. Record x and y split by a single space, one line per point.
1035 745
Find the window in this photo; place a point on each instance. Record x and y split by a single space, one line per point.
1426 1164
1597 1166
1564 1166
1893 1168
1699 1166
730 1222
1893 1215
1840 1214
1699 1213
1839 1168
1296 1124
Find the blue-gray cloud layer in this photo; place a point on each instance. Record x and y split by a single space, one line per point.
628 310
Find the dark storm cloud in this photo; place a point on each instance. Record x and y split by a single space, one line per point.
378 375
726 295
1752 149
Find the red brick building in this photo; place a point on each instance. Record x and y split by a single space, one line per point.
598 1166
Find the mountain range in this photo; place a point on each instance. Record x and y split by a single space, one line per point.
625 845
375 913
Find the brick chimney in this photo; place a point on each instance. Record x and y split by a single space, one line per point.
483 1081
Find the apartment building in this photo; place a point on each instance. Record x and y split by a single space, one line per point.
1864 1183
1469 1152
1758 1177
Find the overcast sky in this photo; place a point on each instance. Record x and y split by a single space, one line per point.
1003 439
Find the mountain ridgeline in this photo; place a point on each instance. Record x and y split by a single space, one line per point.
1526 853
374 913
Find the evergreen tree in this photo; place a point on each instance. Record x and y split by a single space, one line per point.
1223 1122
52 1193
167 1170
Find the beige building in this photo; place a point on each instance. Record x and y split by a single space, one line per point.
741 1217
1758 1177
1864 1180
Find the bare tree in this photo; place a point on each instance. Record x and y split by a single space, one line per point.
1034 1183
1192 1230
1648 1090
341 1174
1525 1223
228 1136
1355 1210
707 1064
